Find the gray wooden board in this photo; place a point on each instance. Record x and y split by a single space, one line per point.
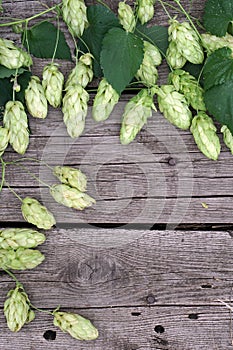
120 330
94 267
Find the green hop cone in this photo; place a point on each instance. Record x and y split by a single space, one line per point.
75 109
212 43
4 139
105 100
187 41
71 177
12 56
77 326
82 73
147 72
136 112
13 238
75 15
204 133
37 214
174 106
35 98
71 197
16 121
227 137
188 85
20 259
52 83
17 309
126 16
174 58
145 10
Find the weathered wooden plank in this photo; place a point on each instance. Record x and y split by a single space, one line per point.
93 267
165 328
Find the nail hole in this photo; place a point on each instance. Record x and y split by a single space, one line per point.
206 286
193 316
159 329
135 313
172 161
50 335
150 299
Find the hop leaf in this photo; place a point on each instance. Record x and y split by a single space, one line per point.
35 99
13 57
75 15
145 10
13 238
204 133
104 101
71 177
126 16
16 122
75 109
17 309
37 214
188 85
77 326
174 106
82 73
71 197
52 84
20 259
136 112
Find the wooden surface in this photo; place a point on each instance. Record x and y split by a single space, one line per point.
145 285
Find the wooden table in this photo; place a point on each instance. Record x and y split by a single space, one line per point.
150 261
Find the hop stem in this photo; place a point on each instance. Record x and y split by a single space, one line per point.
3 173
11 189
33 175
188 17
14 278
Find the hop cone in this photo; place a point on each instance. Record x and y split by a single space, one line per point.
82 73
17 309
52 84
13 57
145 10
77 326
13 238
20 259
35 99
16 121
187 41
147 72
212 42
71 197
71 177
75 109
174 58
227 137
174 106
188 85
126 16
136 112
37 214
104 101
4 139
204 133
75 15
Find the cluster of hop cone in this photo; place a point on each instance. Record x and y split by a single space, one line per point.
17 253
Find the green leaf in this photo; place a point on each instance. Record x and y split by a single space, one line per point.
218 68
219 102
217 16
6 73
41 40
121 57
158 35
100 19
6 93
